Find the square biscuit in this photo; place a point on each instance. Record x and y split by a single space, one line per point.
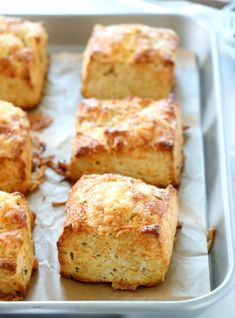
136 137
23 61
118 230
17 259
15 150
129 60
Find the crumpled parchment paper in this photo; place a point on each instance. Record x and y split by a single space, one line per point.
188 275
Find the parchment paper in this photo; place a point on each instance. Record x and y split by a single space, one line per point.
188 275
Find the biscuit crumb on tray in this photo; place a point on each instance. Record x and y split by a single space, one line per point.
60 168
38 163
37 178
39 121
56 204
210 238
17 258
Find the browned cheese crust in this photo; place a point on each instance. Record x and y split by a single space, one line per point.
129 60
137 137
23 61
118 230
16 246
15 149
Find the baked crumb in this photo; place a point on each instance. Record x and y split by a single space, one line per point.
39 121
57 203
185 127
60 168
37 178
210 238
179 225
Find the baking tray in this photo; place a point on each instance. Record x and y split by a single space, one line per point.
196 35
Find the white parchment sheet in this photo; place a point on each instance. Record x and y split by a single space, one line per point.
188 275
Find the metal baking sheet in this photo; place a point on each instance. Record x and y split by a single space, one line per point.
74 30
188 275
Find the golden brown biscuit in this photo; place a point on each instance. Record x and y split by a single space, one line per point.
137 137
118 230
16 246
15 149
129 60
23 61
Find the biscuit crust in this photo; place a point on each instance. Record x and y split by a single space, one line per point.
137 137
118 230
23 61
129 60
15 150
17 259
